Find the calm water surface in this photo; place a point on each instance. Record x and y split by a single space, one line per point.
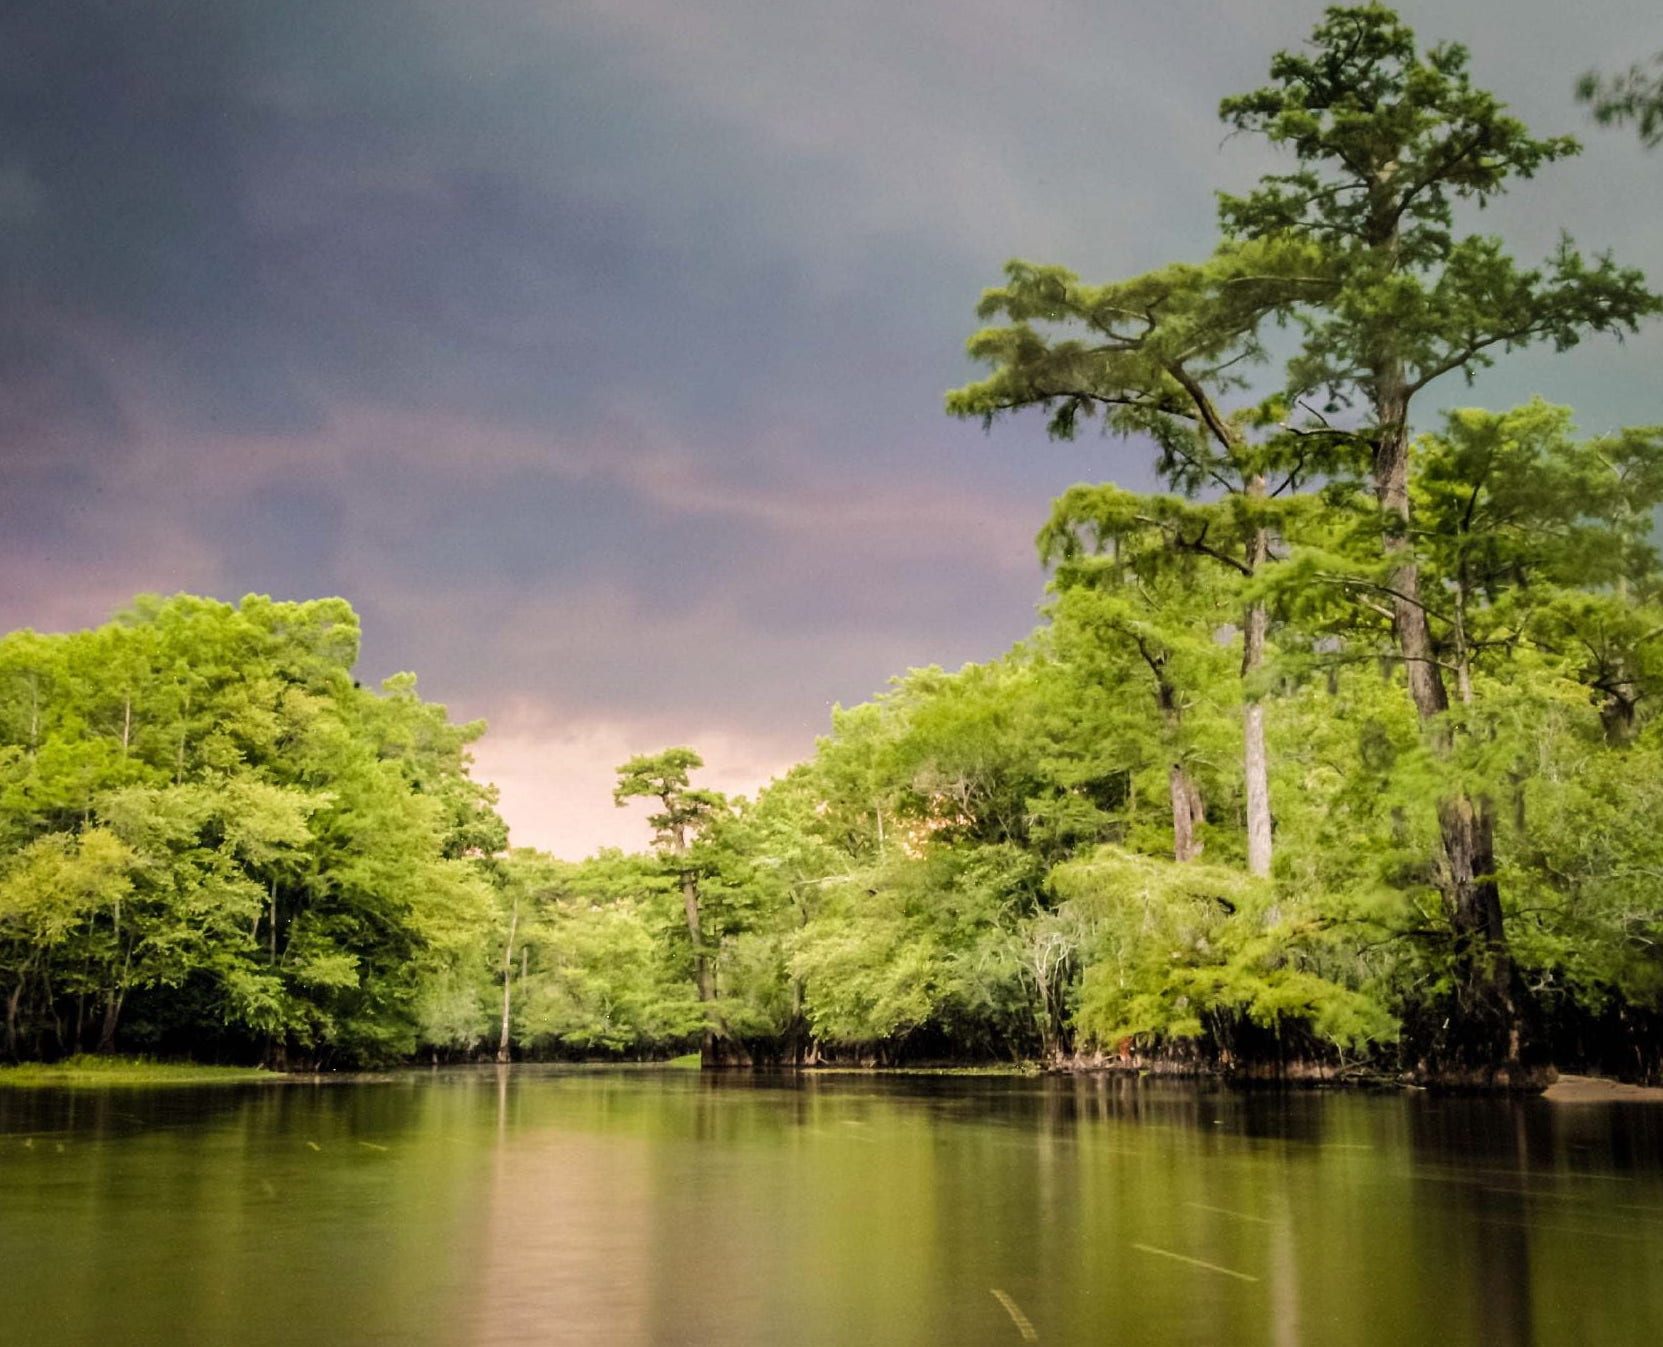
554 1206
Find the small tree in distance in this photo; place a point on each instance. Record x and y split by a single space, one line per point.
684 812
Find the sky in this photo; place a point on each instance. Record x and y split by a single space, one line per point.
595 349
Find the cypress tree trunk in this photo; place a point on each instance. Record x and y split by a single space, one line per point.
702 972
1187 809
1619 705
1188 813
13 1001
112 1015
504 1045
1467 871
1255 771
1255 760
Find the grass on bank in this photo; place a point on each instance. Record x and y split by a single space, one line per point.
86 1069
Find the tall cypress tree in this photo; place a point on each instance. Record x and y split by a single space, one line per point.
1388 141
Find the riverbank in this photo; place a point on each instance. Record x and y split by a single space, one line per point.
1600 1090
87 1070
99 1071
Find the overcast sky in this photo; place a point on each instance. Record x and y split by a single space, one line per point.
594 349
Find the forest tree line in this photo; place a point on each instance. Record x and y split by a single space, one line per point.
1339 752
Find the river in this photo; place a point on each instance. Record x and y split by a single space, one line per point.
643 1206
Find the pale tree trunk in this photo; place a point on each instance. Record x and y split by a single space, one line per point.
116 996
112 1015
1255 760
13 1001
1198 809
1255 623
503 1042
1186 814
1256 771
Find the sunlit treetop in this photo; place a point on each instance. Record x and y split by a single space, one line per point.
1387 139
1387 136
666 777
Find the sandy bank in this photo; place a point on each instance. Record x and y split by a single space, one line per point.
1601 1090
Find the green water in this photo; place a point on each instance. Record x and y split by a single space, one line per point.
555 1206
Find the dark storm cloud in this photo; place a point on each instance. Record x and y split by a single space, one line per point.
532 528
287 530
595 349
129 125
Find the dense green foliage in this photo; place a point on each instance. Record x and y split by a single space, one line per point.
1340 750
1352 545
213 837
